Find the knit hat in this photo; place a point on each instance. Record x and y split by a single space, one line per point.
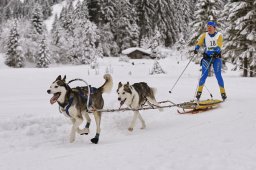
212 23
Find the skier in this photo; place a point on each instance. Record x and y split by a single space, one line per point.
212 41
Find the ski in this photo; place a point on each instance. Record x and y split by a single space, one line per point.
193 111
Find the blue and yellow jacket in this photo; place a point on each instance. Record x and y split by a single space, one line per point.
216 48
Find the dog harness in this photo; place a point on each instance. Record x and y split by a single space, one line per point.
65 107
70 100
85 97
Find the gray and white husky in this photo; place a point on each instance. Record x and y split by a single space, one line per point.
73 102
135 96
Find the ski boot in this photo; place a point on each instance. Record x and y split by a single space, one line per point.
224 96
198 95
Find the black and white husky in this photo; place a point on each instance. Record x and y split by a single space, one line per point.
73 102
135 96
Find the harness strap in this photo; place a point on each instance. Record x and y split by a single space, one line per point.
68 106
82 95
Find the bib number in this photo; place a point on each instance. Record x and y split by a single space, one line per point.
213 43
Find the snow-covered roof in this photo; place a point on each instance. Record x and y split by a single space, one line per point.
130 50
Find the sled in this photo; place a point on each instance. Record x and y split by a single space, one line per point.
198 106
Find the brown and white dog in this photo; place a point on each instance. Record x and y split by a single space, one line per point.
73 102
135 96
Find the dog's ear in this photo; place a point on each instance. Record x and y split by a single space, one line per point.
127 88
58 78
120 84
64 78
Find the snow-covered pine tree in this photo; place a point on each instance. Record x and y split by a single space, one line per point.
37 19
134 34
155 43
81 11
165 18
84 49
94 10
109 46
205 10
33 34
240 45
69 18
24 8
43 60
14 57
106 10
183 13
121 24
61 41
46 9
145 11
55 31
107 38
7 14
28 39
66 19
157 69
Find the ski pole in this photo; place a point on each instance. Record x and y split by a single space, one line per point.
181 74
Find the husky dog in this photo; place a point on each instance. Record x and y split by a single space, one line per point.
135 96
73 102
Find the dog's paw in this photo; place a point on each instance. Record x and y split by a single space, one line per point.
95 140
143 127
130 129
84 131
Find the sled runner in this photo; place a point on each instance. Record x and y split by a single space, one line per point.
198 106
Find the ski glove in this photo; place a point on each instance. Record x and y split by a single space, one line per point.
196 49
217 50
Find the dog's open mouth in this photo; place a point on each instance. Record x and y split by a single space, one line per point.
55 97
122 102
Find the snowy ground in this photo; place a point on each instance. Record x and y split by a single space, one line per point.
34 135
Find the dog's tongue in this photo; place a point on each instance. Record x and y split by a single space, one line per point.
121 103
54 98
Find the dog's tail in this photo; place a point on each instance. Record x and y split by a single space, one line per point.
107 86
154 91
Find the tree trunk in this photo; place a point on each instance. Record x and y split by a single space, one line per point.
251 71
245 67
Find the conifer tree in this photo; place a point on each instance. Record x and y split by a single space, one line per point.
43 59
157 69
37 19
121 24
106 10
241 33
14 57
206 10
109 46
134 35
145 11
